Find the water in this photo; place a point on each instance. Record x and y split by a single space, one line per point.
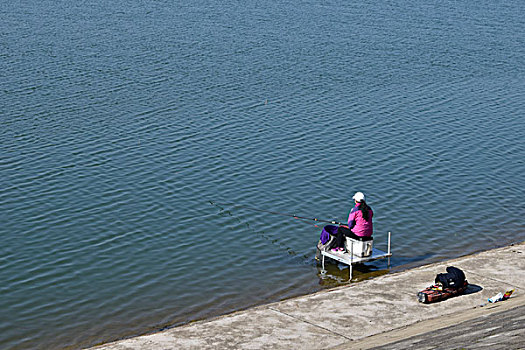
127 125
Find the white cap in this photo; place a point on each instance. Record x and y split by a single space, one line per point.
359 197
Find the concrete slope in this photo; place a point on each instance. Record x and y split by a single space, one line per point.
366 314
502 329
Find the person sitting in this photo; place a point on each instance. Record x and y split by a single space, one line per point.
359 223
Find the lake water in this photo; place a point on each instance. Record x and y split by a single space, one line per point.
133 132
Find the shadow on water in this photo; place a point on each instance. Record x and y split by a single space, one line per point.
338 274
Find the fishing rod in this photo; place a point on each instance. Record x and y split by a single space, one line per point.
278 213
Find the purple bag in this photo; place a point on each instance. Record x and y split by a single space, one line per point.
328 230
326 241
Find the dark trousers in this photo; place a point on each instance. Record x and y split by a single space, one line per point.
341 234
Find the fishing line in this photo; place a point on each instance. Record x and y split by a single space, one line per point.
302 218
275 241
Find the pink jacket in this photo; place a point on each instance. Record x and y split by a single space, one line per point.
359 226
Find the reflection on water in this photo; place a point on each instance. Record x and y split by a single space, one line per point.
338 274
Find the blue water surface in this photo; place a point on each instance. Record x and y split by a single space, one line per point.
134 132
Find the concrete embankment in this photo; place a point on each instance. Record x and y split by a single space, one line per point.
372 313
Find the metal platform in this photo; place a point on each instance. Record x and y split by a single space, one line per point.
349 259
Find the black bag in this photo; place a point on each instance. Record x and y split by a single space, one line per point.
454 278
